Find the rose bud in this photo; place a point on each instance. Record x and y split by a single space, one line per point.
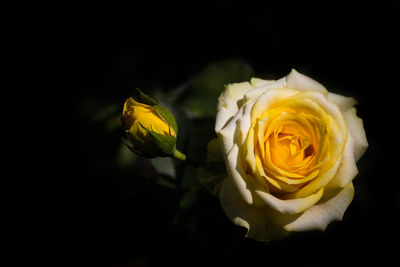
150 128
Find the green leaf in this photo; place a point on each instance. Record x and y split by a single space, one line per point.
201 96
167 116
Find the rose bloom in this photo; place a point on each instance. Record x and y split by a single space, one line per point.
290 149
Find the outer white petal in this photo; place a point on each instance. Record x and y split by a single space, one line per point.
289 206
237 125
256 82
356 127
228 102
347 168
244 123
227 133
320 215
343 102
258 91
300 82
238 175
255 220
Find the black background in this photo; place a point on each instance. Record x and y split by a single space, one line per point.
84 211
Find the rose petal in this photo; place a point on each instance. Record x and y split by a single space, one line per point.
356 127
320 215
343 102
258 91
228 102
244 123
289 206
255 220
301 82
249 150
238 175
233 130
270 98
256 82
347 169
329 107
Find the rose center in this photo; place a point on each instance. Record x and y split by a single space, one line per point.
289 149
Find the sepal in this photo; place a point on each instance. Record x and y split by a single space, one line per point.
167 116
165 144
145 99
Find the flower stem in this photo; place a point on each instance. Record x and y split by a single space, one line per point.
179 155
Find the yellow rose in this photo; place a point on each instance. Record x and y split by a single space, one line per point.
290 148
148 131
